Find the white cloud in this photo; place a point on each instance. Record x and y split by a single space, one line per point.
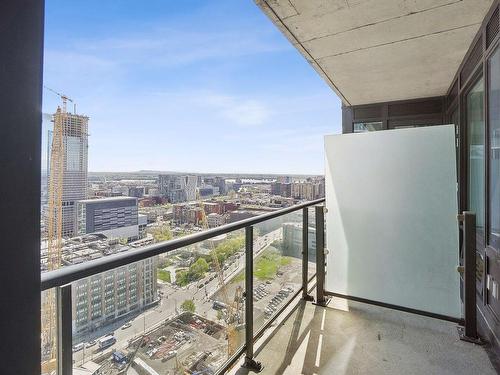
236 109
160 46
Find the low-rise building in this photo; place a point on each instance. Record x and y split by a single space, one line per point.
240 215
213 207
186 213
103 298
136 191
215 220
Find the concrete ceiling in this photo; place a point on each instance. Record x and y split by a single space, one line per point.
372 51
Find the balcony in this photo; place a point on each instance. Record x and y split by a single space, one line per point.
287 333
395 64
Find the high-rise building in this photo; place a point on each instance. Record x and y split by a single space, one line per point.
303 190
178 188
75 165
221 184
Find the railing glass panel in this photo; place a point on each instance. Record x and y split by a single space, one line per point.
277 268
181 310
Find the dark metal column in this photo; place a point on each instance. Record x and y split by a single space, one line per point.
469 332
250 362
21 51
320 256
305 254
64 331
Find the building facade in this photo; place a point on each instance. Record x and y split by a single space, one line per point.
178 188
186 213
302 190
215 220
292 241
75 166
136 191
103 298
115 217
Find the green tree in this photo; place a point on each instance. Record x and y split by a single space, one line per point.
198 268
188 305
162 233
229 247
220 315
182 277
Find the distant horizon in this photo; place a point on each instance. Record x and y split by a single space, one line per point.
192 85
146 171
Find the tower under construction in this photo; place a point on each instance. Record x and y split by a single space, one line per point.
74 139
67 179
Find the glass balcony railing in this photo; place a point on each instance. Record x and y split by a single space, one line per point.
194 304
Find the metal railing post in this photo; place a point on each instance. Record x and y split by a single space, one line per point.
320 256
305 254
469 332
250 363
64 331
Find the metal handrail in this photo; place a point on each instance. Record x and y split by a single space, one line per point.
75 272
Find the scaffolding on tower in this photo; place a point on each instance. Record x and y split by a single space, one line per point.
54 235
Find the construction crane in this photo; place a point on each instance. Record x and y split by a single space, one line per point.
54 232
64 99
231 315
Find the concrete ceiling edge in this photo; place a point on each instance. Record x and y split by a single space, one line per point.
271 14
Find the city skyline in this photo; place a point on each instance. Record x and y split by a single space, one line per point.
213 96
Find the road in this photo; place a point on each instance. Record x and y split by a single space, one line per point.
172 298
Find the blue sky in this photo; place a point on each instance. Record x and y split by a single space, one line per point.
197 86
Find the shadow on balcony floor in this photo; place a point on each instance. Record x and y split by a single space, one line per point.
354 338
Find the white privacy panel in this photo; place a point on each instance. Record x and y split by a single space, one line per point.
391 220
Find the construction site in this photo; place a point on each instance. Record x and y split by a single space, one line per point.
185 344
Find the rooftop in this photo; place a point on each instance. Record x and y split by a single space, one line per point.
108 199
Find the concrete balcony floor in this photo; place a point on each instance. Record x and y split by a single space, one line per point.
354 338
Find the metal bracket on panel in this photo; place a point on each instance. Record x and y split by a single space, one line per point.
253 365
307 297
324 302
463 337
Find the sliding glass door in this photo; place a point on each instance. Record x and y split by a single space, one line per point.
475 147
494 148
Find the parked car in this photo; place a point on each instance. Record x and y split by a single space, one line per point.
90 344
127 325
